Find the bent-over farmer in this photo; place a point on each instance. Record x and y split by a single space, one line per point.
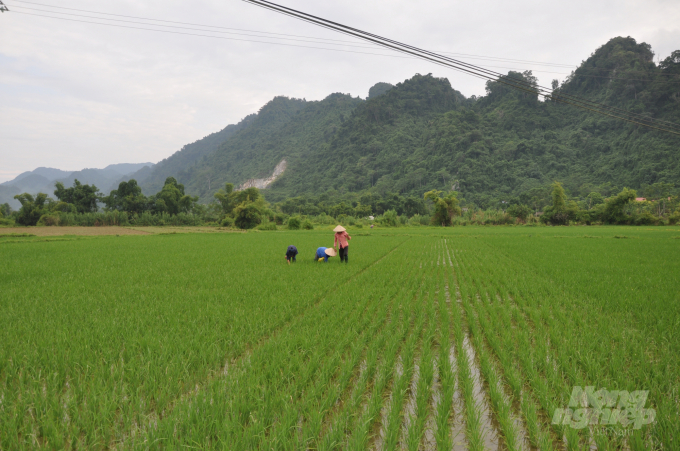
341 239
323 253
291 253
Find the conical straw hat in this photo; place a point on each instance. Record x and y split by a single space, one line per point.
339 229
330 252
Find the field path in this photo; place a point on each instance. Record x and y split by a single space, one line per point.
77 231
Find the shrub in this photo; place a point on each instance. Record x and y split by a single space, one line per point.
674 218
307 225
280 218
415 221
228 222
294 223
521 212
248 215
389 219
48 220
6 222
647 218
323 218
267 226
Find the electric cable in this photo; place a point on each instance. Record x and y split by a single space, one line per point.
328 41
280 34
243 40
477 71
522 85
425 54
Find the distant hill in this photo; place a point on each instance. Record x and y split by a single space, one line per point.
152 181
43 179
422 134
48 173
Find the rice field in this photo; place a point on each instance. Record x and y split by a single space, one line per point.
429 339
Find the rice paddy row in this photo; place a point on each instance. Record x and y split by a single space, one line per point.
426 341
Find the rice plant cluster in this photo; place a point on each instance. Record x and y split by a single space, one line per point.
469 338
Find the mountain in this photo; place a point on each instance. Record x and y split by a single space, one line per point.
152 181
48 173
43 180
422 134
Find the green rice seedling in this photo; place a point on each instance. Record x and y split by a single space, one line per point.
418 418
499 401
502 346
201 340
401 384
444 408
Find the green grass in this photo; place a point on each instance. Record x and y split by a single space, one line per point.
213 341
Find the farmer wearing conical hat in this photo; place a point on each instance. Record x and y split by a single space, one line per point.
323 253
341 238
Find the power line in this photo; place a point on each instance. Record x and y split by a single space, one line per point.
517 83
245 40
276 36
235 31
477 71
491 58
3 8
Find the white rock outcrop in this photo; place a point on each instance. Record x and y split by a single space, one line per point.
263 183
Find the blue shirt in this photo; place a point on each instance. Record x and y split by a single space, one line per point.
321 253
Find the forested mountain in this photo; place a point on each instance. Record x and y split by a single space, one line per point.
43 180
422 134
152 180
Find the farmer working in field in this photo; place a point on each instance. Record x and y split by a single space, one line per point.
323 253
341 238
291 253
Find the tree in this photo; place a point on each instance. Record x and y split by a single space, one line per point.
226 198
414 206
5 209
445 208
593 199
379 89
521 212
659 192
31 208
389 219
84 197
128 197
250 208
615 207
171 198
560 212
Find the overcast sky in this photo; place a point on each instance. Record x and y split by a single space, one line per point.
76 95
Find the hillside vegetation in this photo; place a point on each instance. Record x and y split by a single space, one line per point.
422 134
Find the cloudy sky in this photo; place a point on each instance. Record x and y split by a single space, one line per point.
75 94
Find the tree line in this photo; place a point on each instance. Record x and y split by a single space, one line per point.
552 204
83 199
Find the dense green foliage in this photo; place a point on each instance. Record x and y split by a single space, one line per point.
379 89
83 197
153 180
31 208
77 205
170 341
422 135
503 153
